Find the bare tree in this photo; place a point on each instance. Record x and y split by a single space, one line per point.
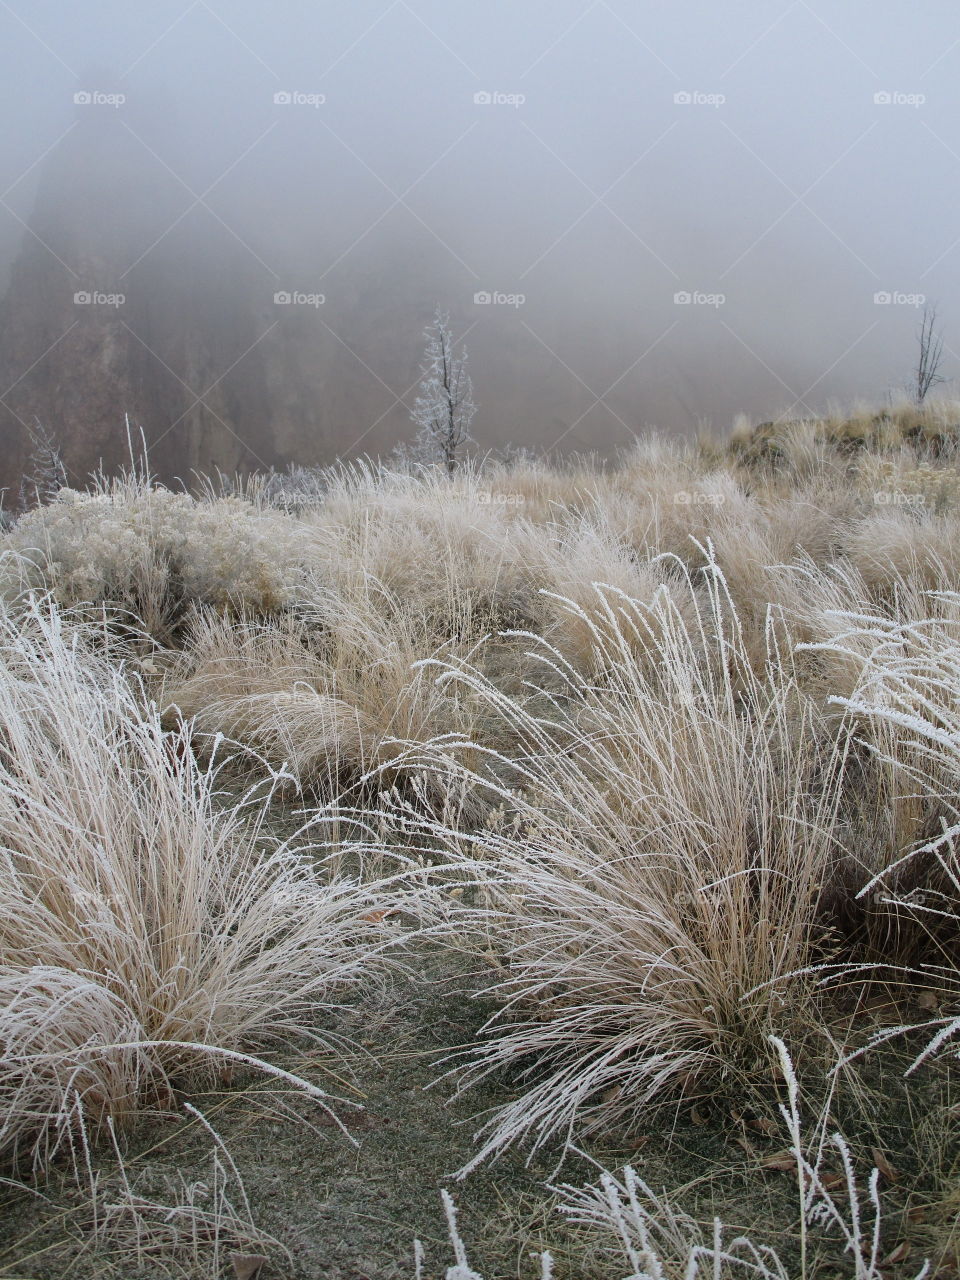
926 374
45 475
444 406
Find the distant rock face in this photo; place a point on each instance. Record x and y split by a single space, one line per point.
118 305
132 299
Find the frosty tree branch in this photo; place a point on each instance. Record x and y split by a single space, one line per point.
444 407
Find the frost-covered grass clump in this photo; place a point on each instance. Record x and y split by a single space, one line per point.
152 931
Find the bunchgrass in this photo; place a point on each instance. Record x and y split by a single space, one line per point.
151 930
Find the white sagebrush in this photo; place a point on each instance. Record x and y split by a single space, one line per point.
144 549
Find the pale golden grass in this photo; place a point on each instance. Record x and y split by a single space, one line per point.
152 931
906 545
656 863
680 728
906 707
566 562
262 684
329 694
439 546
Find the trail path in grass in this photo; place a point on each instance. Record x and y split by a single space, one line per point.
352 1212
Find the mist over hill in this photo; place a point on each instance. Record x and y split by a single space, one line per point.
669 231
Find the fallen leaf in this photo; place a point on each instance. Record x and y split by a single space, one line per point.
746 1144
884 1165
377 917
698 1116
899 1254
247 1266
688 1082
763 1124
831 1181
928 1000
782 1161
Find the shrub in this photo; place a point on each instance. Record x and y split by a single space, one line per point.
152 552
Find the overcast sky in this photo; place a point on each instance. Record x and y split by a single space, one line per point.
779 164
